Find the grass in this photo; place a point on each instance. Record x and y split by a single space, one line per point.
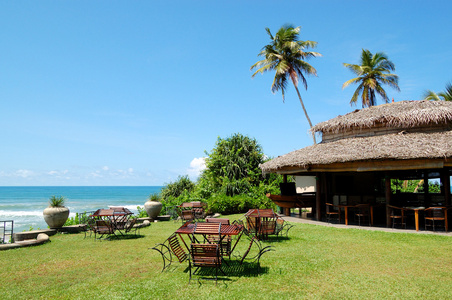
316 262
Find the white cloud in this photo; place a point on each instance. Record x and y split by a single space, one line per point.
105 168
197 165
24 173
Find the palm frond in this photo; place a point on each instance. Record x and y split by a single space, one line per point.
371 74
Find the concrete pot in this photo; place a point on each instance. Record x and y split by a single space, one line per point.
153 208
55 217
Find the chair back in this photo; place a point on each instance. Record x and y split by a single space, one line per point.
187 215
437 213
218 220
331 208
205 255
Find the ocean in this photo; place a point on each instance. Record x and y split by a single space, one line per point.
24 205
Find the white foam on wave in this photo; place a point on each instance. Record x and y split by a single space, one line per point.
20 213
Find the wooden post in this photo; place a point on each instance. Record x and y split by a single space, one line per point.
318 196
426 195
286 209
445 180
388 194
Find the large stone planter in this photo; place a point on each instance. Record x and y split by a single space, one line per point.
153 208
55 217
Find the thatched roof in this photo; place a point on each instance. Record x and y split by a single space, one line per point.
403 114
389 147
416 134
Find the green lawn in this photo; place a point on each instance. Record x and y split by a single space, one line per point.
316 262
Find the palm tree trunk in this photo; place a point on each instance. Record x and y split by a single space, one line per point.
306 113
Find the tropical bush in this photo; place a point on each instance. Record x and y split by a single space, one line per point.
175 189
232 181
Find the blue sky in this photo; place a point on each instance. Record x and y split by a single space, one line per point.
135 92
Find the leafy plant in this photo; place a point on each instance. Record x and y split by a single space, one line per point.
57 201
141 212
154 197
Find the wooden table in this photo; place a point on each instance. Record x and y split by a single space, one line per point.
189 228
346 207
117 216
416 214
257 218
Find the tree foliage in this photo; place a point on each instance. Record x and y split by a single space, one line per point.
287 55
445 96
232 167
373 71
177 188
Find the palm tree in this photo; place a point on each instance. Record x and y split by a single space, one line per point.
286 56
373 71
446 95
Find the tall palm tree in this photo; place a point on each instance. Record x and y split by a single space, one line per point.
286 56
446 95
373 71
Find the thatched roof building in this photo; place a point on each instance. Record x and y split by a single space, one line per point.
411 139
376 138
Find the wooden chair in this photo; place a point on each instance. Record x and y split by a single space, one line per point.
435 215
282 227
332 211
130 226
225 241
103 227
218 220
205 255
187 215
267 227
91 224
171 247
397 215
199 210
362 213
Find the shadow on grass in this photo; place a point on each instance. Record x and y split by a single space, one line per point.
231 268
125 237
276 239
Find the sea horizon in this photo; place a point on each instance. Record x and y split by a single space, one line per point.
25 204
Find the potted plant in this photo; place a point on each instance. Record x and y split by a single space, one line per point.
56 214
153 206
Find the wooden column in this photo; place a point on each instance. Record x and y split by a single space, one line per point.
426 195
285 209
445 180
388 194
318 197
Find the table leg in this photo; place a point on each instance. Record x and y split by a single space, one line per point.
346 215
416 219
445 221
372 215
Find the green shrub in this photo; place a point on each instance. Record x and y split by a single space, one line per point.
141 213
224 204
